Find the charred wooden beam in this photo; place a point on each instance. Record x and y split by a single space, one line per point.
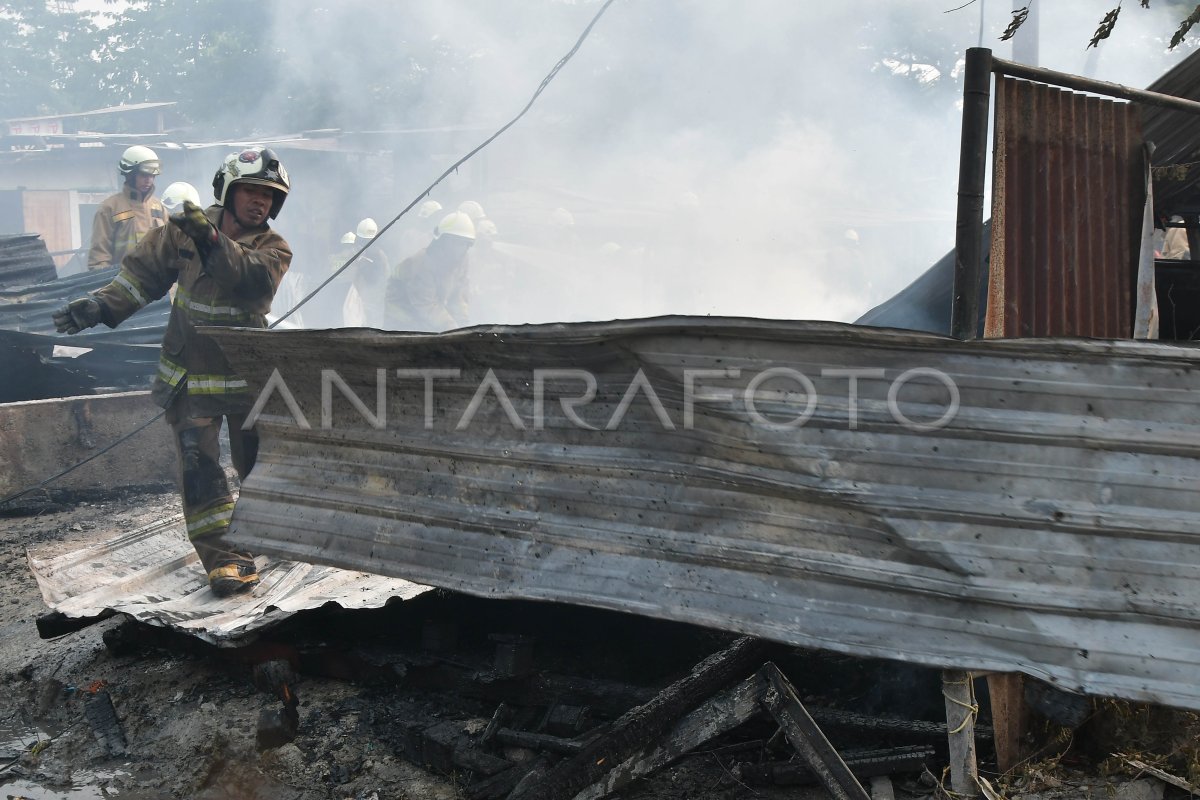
837 718
607 698
543 742
806 737
55 623
444 746
640 726
719 714
863 763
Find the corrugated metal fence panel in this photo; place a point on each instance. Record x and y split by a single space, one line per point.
24 260
1067 202
1051 526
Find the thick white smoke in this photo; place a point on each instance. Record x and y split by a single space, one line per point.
767 158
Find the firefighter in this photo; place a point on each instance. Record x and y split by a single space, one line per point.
428 290
364 306
226 264
125 217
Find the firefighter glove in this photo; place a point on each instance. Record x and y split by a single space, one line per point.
195 224
78 315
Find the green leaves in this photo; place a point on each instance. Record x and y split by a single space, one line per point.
1185 26
1106 26
1019 17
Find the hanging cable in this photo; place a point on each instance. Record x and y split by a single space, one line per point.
562 62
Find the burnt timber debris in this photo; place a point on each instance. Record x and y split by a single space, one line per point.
555 735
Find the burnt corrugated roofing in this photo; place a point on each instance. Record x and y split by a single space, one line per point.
24 260
1013 505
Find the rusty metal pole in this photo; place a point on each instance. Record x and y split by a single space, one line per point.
972 171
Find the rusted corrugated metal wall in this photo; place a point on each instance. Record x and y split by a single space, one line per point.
1066 213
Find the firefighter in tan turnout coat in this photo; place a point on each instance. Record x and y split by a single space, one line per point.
226 264
125 217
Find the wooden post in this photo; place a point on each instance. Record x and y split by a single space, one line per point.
960 726
1006 692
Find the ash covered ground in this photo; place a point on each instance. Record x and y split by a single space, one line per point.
372 684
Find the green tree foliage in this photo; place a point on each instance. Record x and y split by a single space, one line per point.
45 63
236 68
213 57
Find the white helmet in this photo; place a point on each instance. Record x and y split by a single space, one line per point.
348 237
485 227
139 158
456 224
177 192
257 165
428 208
367 229
472 210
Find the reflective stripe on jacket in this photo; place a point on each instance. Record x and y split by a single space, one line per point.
233 285
121 222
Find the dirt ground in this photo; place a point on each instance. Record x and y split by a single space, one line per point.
189 714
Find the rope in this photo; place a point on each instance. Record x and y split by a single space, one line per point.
562 62
972 708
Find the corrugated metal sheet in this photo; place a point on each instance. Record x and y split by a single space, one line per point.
36 367
1067 203
30 309
925 304
1051 527
40 363
24 260
153 575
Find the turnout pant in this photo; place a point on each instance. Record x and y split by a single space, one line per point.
207 499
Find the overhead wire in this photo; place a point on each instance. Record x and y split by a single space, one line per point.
424 193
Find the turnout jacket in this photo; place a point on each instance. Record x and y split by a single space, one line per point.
424 296
232 284
120 223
